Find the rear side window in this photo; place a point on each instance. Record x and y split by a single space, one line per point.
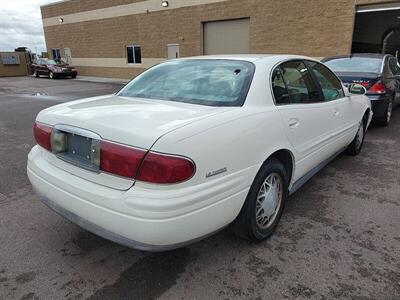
279 89
330 84
394 66
299 82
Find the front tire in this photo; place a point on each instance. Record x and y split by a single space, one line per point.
35 73
51 75
356 145
264 203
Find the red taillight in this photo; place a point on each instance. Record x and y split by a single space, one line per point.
131 162
377 88
165 169
120 160
42 134
151 167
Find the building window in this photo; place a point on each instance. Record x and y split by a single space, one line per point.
133 54
56 53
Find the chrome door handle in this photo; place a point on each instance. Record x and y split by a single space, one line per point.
293 123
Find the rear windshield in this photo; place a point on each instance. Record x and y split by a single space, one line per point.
214 82
355 64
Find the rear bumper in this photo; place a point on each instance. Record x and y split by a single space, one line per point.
163 228
379 104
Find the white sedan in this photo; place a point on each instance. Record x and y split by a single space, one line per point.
194 145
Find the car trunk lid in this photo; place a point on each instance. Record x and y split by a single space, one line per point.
132 122
365 79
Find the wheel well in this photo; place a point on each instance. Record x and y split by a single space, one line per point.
286 158
366 116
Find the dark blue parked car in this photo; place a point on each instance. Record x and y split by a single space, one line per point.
378 73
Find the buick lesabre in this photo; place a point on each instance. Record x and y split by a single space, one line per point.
195 145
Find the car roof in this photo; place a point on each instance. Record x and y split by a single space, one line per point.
249 57
367 55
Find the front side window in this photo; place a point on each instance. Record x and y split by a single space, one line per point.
133 54
330 84
214 82
300 84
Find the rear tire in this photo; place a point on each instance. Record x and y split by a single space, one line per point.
385 119
35 73
356 145
264 203
73 76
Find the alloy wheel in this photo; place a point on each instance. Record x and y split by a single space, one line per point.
269 200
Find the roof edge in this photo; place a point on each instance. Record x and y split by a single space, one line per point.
54 3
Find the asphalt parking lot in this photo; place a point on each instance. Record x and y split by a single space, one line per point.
339 237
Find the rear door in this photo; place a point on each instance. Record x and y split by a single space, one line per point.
37 66
308 119
42 67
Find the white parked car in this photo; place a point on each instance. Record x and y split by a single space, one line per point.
194 145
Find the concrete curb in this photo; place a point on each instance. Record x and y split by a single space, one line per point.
102 79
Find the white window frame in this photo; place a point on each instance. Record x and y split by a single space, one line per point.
134 58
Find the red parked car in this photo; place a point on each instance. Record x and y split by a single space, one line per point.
53 69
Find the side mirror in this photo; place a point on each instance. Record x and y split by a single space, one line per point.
357 89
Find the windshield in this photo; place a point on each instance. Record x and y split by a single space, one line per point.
214 82
53 62
355 64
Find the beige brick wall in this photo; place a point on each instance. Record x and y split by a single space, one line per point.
14 70
315 28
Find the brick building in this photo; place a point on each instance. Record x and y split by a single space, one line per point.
121 38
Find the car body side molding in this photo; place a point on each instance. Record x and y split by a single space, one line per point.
303 180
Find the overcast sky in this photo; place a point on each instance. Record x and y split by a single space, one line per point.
21 24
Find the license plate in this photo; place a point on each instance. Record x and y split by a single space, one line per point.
76 148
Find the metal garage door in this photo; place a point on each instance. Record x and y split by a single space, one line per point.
227 37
